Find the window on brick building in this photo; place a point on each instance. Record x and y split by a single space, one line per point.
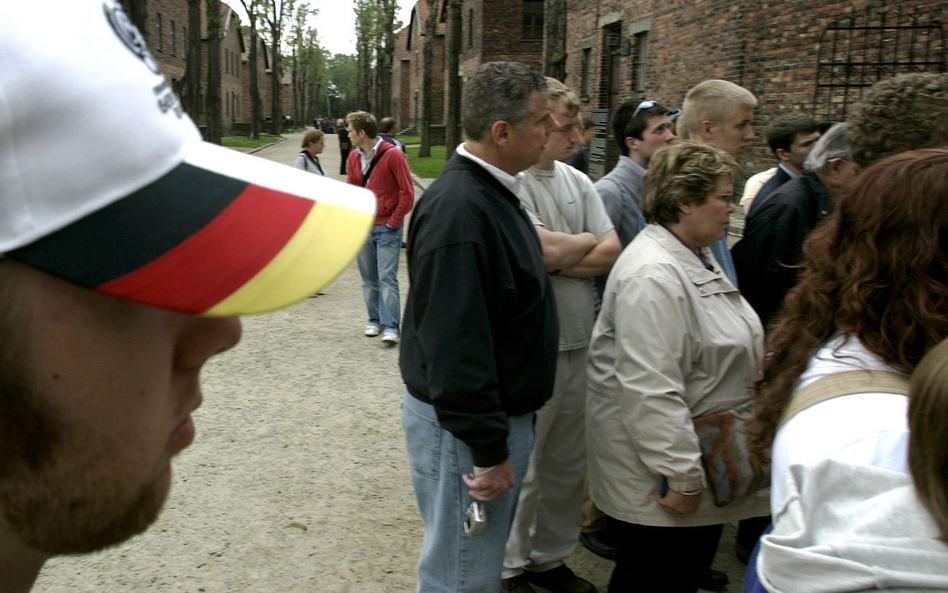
533 19
640 42
585 86
470 27
174 40
226 61
158 40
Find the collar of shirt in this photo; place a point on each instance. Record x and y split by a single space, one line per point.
367 157
788 171
511 182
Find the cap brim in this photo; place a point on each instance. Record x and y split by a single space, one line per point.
221 234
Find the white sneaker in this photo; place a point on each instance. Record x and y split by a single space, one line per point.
372 330
390 336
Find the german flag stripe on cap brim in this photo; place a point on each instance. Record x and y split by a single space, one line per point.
203 242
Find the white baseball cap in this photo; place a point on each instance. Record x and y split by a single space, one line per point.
106 183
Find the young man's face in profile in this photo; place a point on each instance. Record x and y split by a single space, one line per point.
109 387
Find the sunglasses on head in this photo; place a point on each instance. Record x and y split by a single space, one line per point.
646 105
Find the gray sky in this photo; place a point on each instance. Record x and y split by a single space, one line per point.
335 22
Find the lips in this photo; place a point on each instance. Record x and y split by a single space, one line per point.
182 436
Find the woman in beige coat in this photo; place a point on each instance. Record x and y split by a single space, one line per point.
674 341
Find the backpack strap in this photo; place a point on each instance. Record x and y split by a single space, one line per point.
378 156
840 384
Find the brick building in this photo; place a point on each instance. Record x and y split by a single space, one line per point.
166 32
814 57
501 30
414 40
401 80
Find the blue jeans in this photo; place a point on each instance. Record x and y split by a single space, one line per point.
378 266
451 561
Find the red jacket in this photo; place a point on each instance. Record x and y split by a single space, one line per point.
390 181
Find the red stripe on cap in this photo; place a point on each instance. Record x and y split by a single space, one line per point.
211 264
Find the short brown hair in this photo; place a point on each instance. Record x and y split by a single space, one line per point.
680 175
898 114
364 121
312 137
928 439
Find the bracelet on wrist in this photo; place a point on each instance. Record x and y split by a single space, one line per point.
692 493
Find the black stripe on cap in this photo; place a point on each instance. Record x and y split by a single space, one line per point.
135 230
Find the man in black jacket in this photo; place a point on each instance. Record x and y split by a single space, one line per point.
768 257
480 331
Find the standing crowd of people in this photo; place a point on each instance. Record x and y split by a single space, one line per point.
603 344
581 361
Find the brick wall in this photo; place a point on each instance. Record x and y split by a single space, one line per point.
416 50
771 48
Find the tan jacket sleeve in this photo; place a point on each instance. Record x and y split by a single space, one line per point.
654 356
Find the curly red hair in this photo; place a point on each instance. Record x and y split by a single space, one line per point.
876 269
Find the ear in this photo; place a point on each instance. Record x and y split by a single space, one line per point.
500 132
782 155
631 142
705 127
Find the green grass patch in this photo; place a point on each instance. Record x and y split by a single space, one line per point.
410 139
428 167
245 142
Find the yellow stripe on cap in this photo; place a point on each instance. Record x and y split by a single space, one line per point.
323 246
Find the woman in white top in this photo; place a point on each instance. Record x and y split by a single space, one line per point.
873 296
308 158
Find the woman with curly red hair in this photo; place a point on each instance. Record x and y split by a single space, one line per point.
873 296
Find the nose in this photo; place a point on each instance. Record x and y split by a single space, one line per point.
750 134
575 136
207 337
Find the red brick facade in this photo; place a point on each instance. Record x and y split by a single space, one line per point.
772 48
415 48
167 36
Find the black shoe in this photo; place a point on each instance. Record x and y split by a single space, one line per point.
560 580
601 543
517 584
714 580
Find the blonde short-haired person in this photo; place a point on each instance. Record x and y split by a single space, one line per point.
674 341
308 158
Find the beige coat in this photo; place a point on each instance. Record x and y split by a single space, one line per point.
673 341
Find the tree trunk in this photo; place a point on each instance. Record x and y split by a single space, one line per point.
214 125
425 149
276 108
554 41
138 13
255 107
453 78
189 87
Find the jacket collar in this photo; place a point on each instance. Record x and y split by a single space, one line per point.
689 262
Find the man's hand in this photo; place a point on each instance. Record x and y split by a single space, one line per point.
486 484
677 503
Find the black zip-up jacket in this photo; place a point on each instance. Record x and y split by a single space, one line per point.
768 257
479 338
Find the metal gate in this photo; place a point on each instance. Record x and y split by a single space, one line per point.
858 49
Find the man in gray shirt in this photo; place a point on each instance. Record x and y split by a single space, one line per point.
639 130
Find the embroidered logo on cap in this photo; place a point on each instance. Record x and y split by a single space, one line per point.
130 36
